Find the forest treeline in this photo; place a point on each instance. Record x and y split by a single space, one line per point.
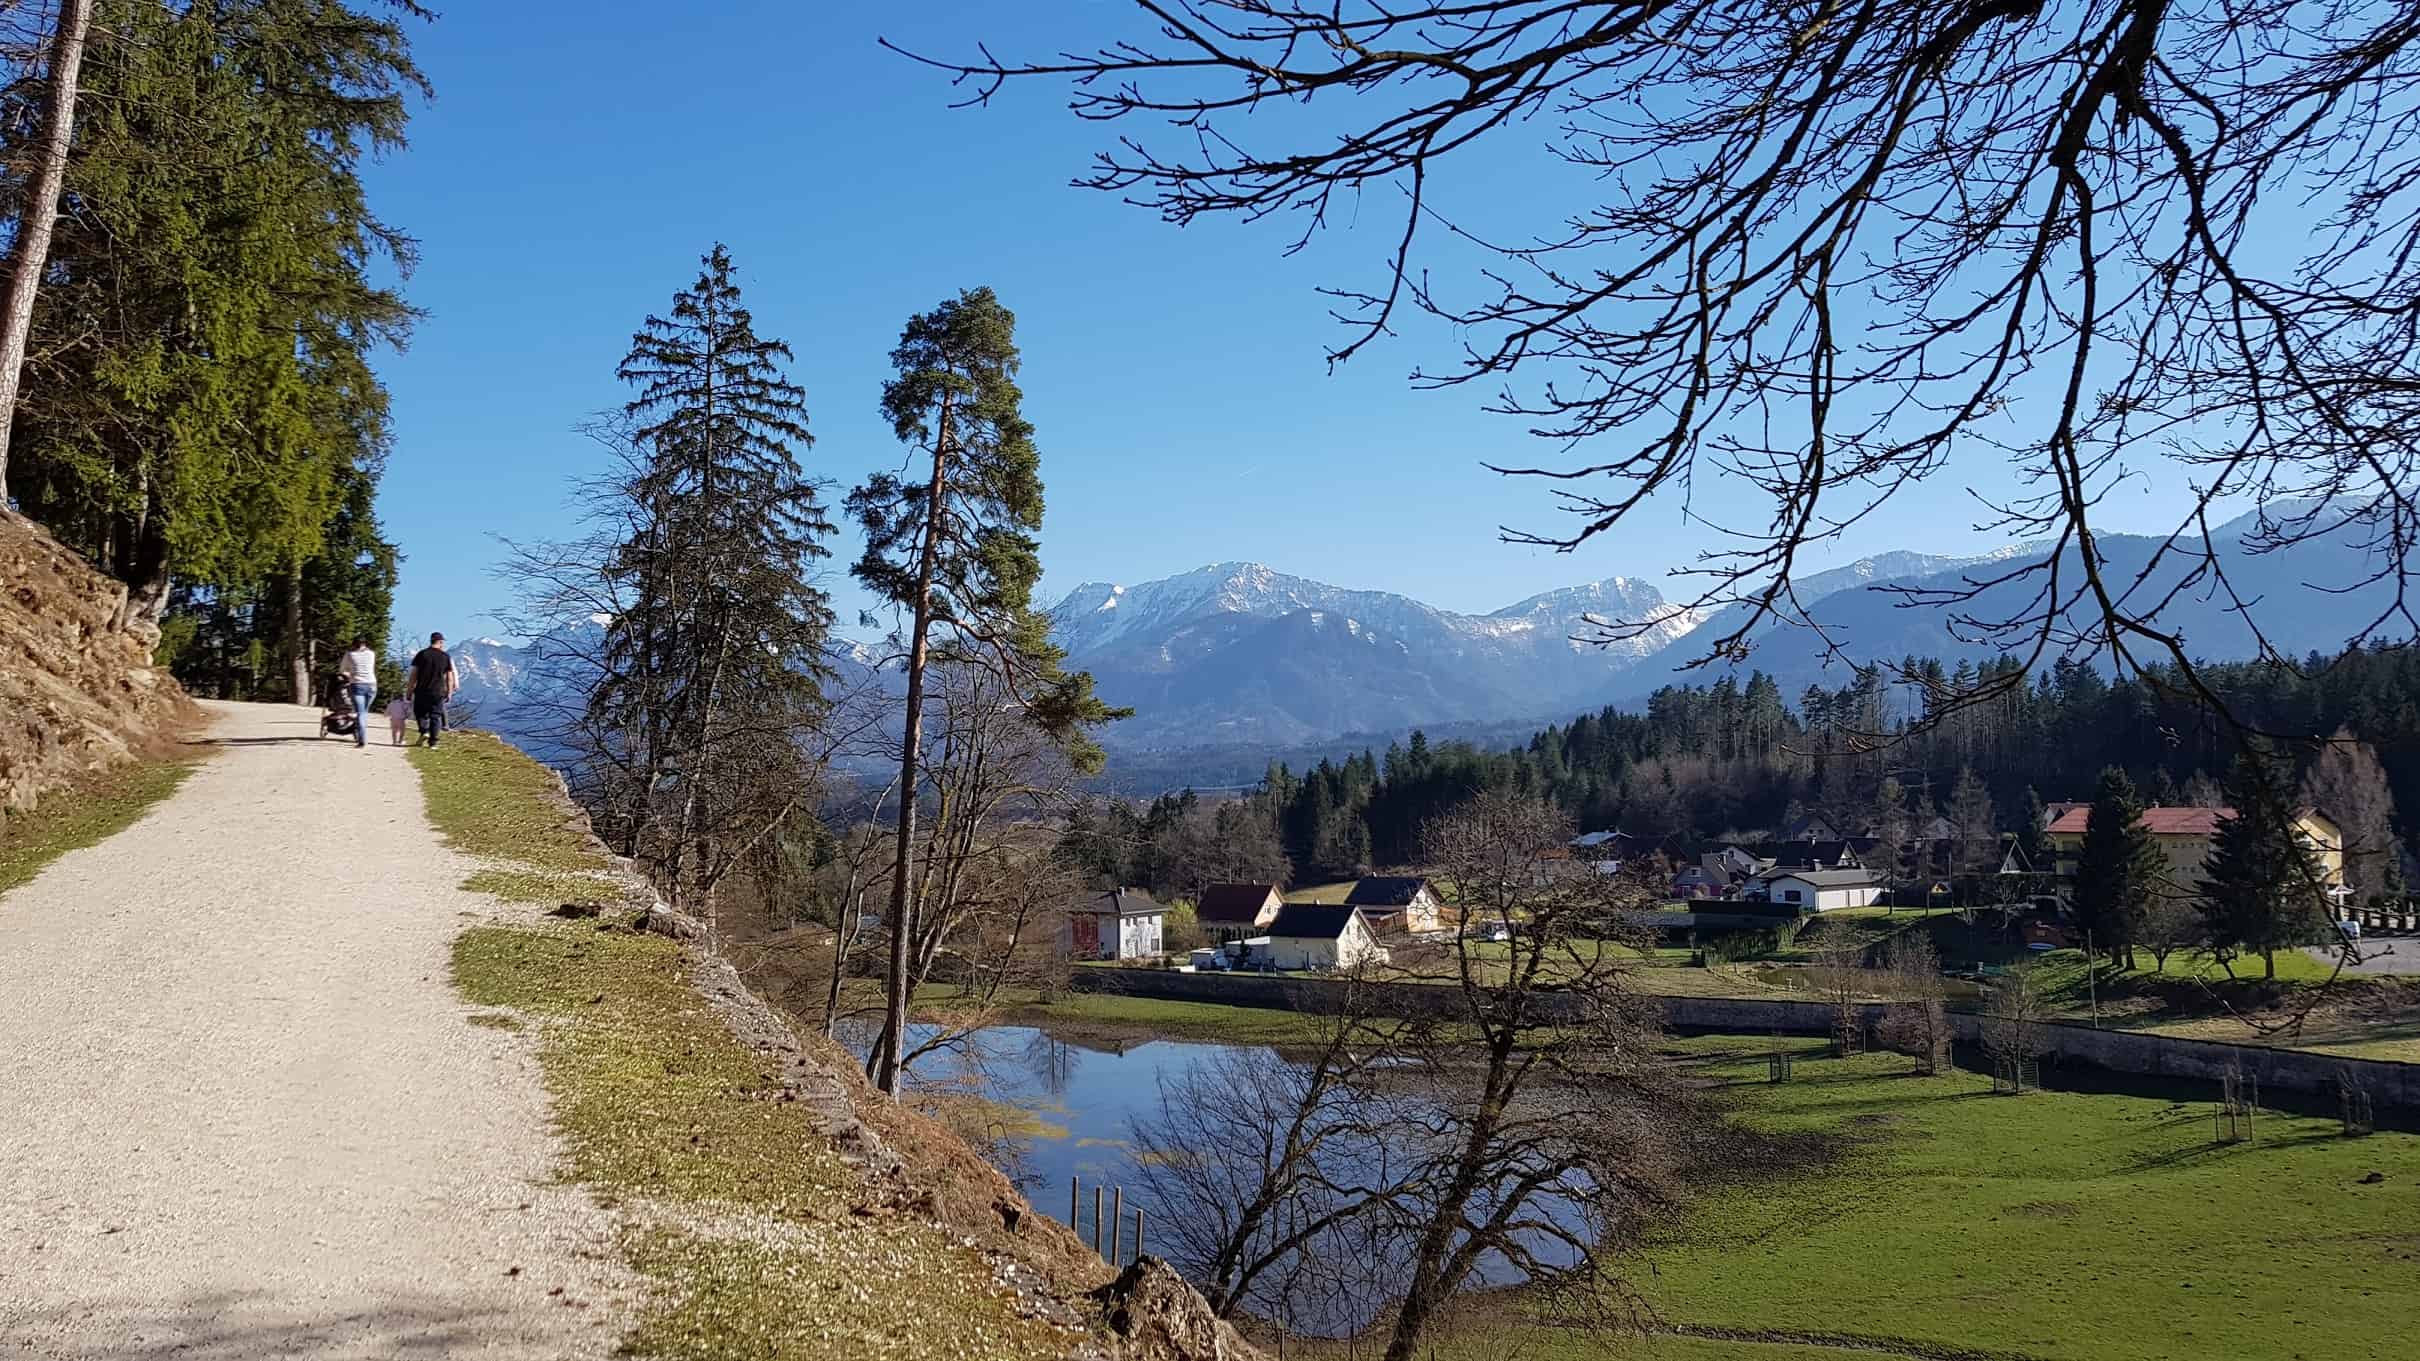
198 413
1739 760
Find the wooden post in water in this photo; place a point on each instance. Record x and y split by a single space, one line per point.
1117 1221
1075 1214
1138 1233
1097 1226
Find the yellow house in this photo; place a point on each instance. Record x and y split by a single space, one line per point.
2184 836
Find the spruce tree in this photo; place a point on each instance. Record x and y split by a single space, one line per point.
952 546
2261 891
2119 868
719 643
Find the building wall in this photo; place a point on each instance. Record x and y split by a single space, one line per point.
1139 937
2189 856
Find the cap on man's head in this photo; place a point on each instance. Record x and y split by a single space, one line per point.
436 637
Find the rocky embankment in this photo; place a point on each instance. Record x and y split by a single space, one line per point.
78 692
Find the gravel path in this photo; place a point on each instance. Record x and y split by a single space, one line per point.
242 1112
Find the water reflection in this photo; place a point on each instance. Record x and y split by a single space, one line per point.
1059 1112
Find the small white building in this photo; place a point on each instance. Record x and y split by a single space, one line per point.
1118 923
1820 890
1322 936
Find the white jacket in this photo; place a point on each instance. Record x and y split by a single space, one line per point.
361 667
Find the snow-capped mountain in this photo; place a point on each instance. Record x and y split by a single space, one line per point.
1239 653
1241 656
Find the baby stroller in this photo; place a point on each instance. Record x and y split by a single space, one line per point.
339 720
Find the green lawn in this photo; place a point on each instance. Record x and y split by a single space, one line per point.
2096 1228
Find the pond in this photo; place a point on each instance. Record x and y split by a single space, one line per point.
1063 1111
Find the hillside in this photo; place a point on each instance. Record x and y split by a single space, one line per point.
78 691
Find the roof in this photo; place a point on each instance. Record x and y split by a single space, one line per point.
2158 820
1124 902
1314 921
1832 878
1238 903
1386 891
1588 839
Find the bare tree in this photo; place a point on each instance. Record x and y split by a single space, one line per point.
1546 1130
1832 253
991 893
2347 784
1262 1161
2015 1008
1915 1021
1842 979
2169 922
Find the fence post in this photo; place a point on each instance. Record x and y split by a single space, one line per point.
1117 1221
1096 1220
1138 1233
1075 1215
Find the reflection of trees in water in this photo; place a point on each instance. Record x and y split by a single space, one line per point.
1051 1062
1522 1135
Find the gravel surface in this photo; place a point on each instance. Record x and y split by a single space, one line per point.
242 1111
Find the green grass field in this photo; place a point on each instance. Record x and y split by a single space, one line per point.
2098 1228
493 802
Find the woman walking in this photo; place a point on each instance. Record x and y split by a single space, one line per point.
360 674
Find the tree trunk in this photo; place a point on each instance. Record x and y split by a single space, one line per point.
295 645
41 213
894 1026
2269 959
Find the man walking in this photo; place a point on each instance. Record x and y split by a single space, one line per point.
360 673
431 683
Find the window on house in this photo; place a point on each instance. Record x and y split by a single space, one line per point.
1789 895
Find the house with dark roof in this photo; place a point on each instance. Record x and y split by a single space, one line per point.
1117 923
1322 936
1232 911
1398 903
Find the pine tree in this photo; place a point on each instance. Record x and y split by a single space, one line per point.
2119 868
719 643
955 550
2261 891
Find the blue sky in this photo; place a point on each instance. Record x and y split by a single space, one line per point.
579 158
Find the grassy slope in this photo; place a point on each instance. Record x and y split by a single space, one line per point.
83 816
762 1242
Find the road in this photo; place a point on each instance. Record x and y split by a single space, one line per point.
246 1114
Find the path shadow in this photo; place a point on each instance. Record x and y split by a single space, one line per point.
238 1326
261 741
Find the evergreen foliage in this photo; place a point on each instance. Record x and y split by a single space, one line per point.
2120 868
718 640
2263 891
199 414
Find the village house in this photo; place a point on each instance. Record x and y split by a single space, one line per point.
1235 911
2184 836
1604 850
1398 903
1822 890
1322 936
1117 923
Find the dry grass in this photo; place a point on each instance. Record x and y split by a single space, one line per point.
763 1242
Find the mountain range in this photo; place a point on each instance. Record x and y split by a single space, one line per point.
1240 657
